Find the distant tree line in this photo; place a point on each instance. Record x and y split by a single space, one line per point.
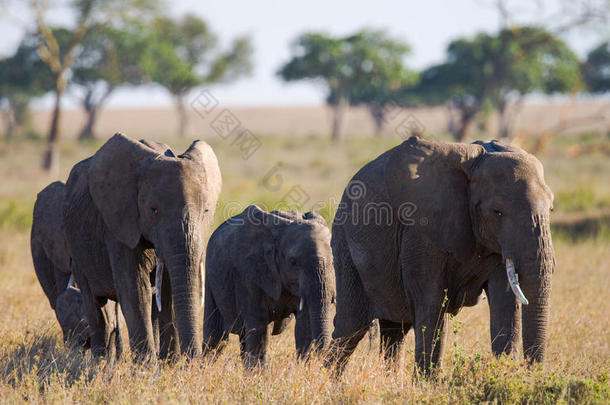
117 43
113 43
480 75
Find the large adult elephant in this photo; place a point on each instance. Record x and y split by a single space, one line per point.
134 207
423 229
52 264
263 267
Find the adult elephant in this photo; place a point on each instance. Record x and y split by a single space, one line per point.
423 229
134 207
52 266
263 267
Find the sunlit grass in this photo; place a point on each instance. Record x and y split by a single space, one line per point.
35 366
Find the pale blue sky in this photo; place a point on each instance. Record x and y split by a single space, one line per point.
427 25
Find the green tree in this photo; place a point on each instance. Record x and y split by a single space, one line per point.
381 76
184 54
596 69
58 47
110 57
23 76
363 68
489 71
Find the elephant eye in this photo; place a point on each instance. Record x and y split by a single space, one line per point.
293 261
498 213
154 210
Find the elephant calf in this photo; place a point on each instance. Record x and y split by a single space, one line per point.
51 260
264 267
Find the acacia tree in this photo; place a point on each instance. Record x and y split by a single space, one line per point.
110 57
596 69
58 47
382 77
363 68
184 54
23 76
492 70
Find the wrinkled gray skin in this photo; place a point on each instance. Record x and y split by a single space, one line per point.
259 267
124 203
457 212
52 265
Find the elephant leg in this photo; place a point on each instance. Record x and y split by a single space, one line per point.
214 334
504 315
374 335
242 345
256 344
131 269
155 315
168 333
430 320
95 319
114 345
352 319
392 339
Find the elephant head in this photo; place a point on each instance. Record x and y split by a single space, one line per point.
71 318
480 199
151 198
296 256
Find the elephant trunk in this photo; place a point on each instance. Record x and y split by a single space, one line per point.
319 305
320 327
185 285
535 316
535 279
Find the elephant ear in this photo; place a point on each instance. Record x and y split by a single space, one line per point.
495 146
113 185
314 217
427 184
203 154
254 253
159 147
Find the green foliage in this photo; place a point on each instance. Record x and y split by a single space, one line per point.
110 55
183 54
489 67
23 76
366 67
492 69
596 69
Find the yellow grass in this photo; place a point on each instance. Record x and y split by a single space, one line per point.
34 365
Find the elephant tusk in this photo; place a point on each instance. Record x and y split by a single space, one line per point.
158 282
301 302
514 284
202 284
70 282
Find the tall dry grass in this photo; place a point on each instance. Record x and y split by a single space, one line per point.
36 367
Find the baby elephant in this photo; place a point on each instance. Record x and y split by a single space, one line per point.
264 267
53 268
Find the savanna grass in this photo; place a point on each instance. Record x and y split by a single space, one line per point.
35 366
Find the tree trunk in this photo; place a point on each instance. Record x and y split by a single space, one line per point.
503 118
466 123
338 112
51 157
182 115
87 132
378 114
92 108
9 120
